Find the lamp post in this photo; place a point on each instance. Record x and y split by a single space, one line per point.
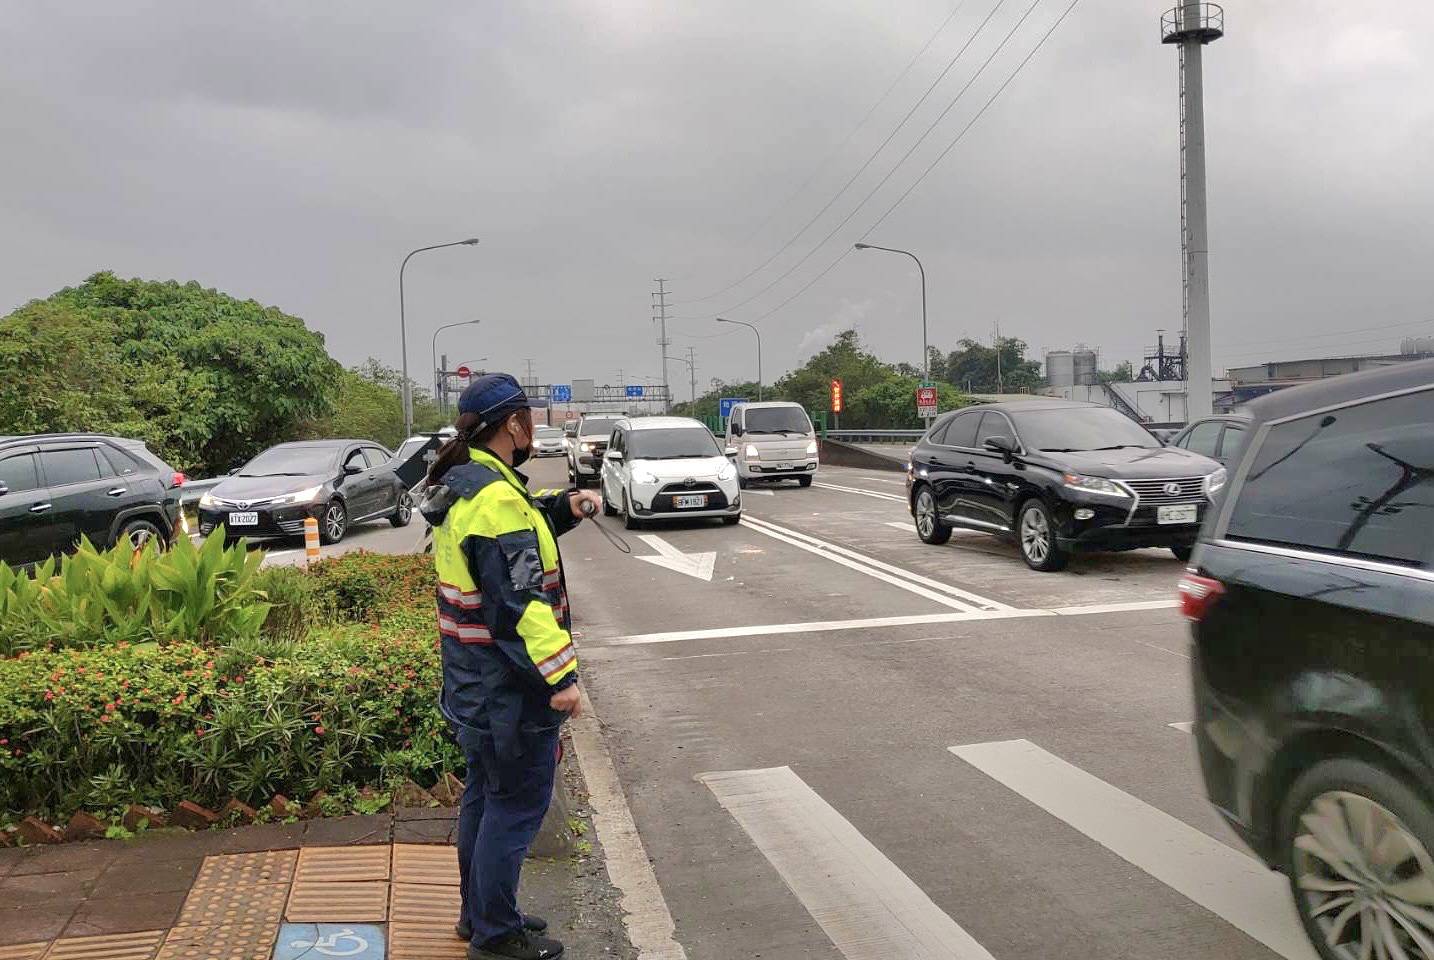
403 329
925 350
759 350
438 374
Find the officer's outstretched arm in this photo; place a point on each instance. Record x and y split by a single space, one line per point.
554 503
520 597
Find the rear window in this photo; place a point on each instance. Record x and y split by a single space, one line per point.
17 473
1357 481
593 427
962 432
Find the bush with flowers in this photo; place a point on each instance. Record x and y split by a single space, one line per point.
343 695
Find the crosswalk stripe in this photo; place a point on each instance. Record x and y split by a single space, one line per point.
867 907
1219 878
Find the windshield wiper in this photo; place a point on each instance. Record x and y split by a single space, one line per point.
274 474
1063 450
1127 446
688 456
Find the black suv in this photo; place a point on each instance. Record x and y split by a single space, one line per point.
55 488
1057 476
1311 600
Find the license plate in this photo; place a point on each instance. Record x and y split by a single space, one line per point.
784 466
1177 513
243 519
694 500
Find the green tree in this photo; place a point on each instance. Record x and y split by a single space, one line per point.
206 380
844 359
1123 373
369 406
891 404
972 366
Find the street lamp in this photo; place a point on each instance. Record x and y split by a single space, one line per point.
759 350
403 329
925 350
437 374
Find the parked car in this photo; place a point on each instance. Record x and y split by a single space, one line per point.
659 468
772 441
339 483
548 442
1057 476
1311 603
587 446
56 488
1218 438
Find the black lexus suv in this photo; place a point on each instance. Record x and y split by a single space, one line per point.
1057 476
56 488
1311 602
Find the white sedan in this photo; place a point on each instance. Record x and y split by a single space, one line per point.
664 468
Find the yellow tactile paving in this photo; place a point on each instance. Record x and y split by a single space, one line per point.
224 904
361 901
334 864
235 870
420 922
111 946
424 941
24 951
425 863
225 941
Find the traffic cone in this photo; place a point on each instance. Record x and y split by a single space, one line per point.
311 540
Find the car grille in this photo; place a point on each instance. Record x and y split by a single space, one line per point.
292 526
1153 492
681 489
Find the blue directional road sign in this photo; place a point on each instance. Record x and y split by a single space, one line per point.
330 941
634 391
725 405
562 393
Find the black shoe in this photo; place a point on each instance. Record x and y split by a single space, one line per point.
533 924
517 946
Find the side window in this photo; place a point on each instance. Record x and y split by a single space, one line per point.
619 441
962 432
1232 440
376 457
1357 481
17 473
356 458
937 434
76 465
119 462
1204 438
993 425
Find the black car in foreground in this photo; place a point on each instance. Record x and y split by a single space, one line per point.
1057 476
337 482
1311 602
57 488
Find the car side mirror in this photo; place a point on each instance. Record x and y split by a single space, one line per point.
614 455
735 429
731 452
1002 445
352 468
3 490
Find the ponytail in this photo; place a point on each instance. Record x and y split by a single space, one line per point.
457 451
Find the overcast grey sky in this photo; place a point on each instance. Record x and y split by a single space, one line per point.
294 152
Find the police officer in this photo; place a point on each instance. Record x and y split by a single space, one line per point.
509 667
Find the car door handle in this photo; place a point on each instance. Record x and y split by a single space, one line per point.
41 507
116 492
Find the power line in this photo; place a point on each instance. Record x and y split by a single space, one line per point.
860 170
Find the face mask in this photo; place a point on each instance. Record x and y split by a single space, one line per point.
522 452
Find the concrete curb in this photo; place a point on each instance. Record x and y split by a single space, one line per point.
840 454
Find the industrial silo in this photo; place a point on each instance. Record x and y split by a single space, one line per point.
1060 368
1083 367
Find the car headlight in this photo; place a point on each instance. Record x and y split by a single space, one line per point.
585 447
752 452
302 496
207 502
644 477
1215 482
811 448
726 472
1094 485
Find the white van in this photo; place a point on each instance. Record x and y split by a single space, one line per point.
772 441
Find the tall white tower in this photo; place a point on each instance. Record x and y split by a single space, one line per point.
1192 25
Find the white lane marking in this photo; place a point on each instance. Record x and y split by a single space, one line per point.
1219 878
1117 607
868 623
762 493
697 565
876 568
1184 726
868 908
902 525
646 916
864 493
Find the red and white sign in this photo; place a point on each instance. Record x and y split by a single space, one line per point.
926 401
463 372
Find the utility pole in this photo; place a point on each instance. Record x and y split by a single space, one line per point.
661 305
999 386
443 385
1191 25
692 374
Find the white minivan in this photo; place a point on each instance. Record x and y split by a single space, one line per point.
772 441
666 468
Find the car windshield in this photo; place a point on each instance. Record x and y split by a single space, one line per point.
777 420
1080 428
597 428
410 446
674 443
549 433
291 462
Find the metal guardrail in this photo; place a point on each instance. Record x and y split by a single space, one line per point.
875 436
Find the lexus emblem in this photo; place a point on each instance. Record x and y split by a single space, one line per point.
689 482
1172 489
242 504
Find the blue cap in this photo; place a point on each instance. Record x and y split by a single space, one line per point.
493 396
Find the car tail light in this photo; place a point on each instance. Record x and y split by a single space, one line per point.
178 480
1197 595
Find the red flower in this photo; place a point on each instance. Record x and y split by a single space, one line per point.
4 741
199 731
178 700
49 694
109 708
319 731
106 718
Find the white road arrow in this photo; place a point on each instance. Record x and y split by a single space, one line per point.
697 565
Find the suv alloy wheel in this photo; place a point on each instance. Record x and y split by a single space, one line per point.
928 522
1036 533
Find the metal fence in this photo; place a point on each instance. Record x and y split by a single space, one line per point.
875 436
